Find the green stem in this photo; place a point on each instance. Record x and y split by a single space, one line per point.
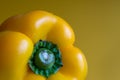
46 59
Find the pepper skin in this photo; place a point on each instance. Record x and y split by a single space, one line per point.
15 50
35 26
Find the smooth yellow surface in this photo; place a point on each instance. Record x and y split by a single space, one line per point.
34 24
74 61
61 33
15 51
96 24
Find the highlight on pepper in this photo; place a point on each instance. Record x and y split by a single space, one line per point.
39 46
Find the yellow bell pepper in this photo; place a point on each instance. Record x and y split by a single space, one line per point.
39 46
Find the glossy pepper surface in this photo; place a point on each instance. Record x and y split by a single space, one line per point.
39 46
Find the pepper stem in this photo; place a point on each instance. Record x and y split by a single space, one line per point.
46 58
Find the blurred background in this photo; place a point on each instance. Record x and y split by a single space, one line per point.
96 24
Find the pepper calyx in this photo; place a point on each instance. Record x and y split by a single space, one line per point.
46 58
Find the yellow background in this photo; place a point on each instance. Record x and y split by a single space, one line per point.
96 24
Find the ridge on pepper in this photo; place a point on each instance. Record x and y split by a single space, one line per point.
39 46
